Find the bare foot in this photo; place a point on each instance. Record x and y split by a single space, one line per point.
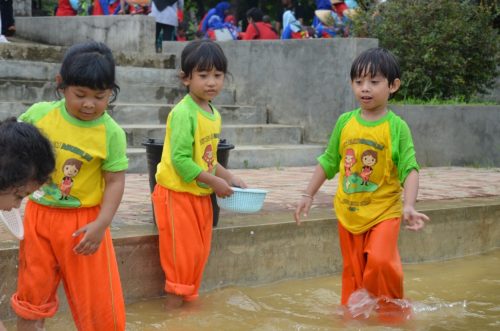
173 301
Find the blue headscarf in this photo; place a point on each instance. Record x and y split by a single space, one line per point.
221 8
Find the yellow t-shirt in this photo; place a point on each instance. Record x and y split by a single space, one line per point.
373 160
190 147
83 150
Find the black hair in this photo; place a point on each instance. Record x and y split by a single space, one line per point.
25 155
255 14
376 61
89 64
201 55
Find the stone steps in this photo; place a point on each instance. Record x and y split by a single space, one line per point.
236 134
248 156
150 114
34 90
149 89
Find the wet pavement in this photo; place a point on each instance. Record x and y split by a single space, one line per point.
285 185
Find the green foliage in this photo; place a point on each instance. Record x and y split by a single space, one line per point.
447 49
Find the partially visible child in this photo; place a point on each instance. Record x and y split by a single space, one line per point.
189 172
67 234
26 162
372 150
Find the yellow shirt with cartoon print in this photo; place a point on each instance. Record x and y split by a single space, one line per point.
373 160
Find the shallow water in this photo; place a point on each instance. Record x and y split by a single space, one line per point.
462 294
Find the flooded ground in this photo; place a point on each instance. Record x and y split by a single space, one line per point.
461 294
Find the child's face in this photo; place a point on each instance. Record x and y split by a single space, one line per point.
85 103
204 86
11 198
373 93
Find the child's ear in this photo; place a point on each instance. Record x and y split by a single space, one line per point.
59 80
395 85
184 78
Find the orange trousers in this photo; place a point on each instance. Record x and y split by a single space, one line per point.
371 261
91 282
184 225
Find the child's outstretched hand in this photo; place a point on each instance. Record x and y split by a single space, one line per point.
415 221
93 234
303 206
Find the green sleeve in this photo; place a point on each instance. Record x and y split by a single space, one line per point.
116 145
403 151
37 111
182 128
330 159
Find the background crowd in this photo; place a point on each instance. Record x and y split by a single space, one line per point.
227 20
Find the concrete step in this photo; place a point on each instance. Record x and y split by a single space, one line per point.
38 70
235 134
54 54
249 156
150 114
36 90
132 113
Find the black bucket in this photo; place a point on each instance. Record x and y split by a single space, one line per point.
154 148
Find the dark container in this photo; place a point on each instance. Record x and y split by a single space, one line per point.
154 148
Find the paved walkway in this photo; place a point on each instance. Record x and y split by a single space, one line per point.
285 185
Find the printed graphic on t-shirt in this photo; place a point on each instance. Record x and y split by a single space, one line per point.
359 181
50 193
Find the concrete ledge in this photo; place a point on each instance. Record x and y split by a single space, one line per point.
249 250
121 33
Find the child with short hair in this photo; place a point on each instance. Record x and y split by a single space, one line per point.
372 149
67 233
189 172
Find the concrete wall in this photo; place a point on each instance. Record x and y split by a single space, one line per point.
21 7
273 248
121 33
454 135
299 82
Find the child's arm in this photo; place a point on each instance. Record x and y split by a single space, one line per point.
414 219
304 204
94 231
222 181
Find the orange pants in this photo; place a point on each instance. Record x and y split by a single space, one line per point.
184 225
371 261
91 282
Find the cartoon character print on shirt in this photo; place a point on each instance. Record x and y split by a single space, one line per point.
208 157
51 192
359 182
70 169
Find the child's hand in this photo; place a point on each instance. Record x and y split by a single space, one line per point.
238 182
93 233
414 220
303 206
221 188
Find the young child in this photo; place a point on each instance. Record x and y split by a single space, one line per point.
372 149
22 172
69 238
188 173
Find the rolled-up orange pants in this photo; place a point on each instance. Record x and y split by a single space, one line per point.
91 282
184 225
371 261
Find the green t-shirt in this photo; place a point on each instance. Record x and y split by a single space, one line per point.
373 160
83 149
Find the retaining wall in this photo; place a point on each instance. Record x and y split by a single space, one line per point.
270 248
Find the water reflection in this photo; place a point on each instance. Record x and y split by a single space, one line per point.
459 294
